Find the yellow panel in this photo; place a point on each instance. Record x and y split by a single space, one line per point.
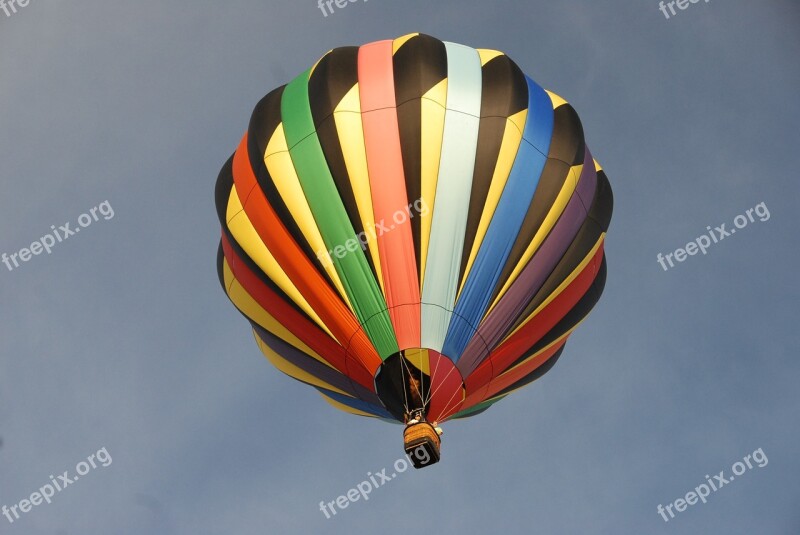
400 41
291 370
557 100
254 311
512 137
281 169
488 55
561 287
350 130
519 119
345 408
432 128
248 239
420 359
558 207
438 94
351 102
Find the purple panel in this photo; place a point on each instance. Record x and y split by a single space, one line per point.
496 324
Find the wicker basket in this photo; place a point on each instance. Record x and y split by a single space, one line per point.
422 444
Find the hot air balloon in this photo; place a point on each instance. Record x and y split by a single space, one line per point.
414 228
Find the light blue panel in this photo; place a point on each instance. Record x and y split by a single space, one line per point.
453 189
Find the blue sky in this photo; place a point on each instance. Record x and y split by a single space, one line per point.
121 337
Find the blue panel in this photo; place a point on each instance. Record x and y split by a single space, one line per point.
539 131
506 223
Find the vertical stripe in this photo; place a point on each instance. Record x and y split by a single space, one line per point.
420 74
351 137
447 387
388 187
453 190
434 111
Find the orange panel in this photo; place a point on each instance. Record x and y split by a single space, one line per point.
322 298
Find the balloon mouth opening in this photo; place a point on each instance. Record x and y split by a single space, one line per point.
403 384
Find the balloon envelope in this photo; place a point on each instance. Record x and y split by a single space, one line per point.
413 225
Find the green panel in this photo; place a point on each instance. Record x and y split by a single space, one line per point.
331 217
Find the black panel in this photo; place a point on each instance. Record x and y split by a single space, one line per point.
418 65
567 143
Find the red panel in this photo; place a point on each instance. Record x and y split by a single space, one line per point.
446 387
511 377
307 331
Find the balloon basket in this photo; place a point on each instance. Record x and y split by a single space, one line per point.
422 444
